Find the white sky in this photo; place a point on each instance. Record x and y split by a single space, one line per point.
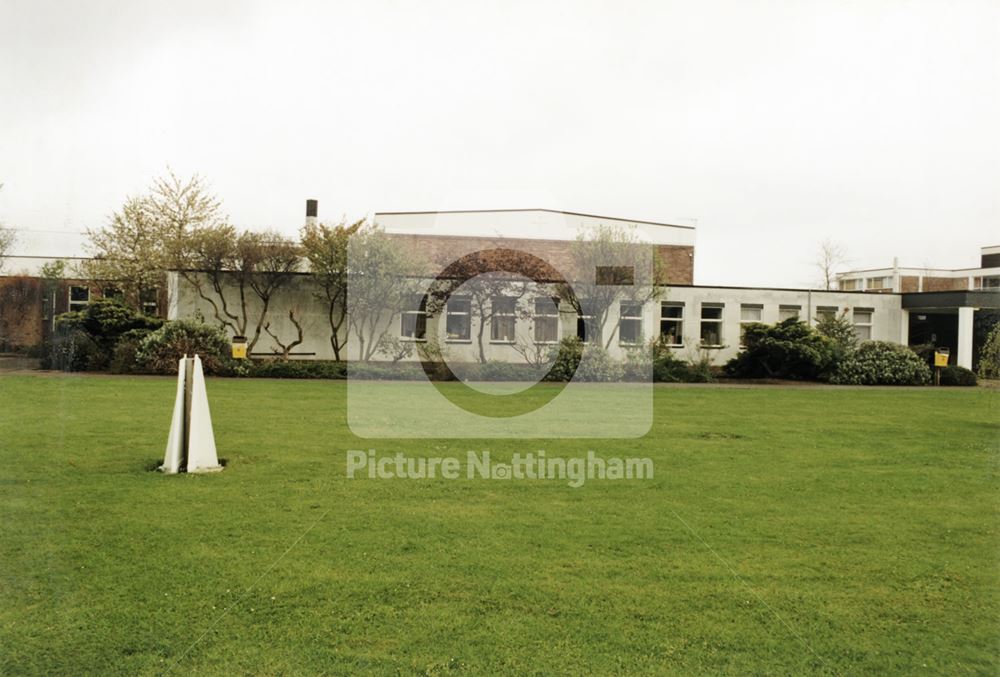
773 124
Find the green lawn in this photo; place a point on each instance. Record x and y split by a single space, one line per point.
787 530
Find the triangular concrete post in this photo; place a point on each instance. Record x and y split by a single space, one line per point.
191 442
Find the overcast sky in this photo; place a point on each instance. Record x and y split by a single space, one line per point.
772 124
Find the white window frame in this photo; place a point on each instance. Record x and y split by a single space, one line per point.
824 310
870 282
420 310
76 306
711 320
587 319
635 318
452 311
783 309
149 306
511 317
870 312
677 321
744 322
552 316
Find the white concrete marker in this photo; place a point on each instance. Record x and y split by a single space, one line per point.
191 442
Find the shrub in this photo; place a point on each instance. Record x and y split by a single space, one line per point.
495 370
882 363
958 376
160 351
104 322
840 331
597 365
565 358
124 357
296 369
790 349
989 354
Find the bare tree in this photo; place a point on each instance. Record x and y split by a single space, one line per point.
829 257
285 349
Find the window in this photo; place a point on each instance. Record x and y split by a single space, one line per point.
413 319
849 285
113 293
148 301
630 324
877 283
711 325
788 312
863 323
825 313
672 323
586 323
79 297
546 320
458 326
990 282
503 319
749 313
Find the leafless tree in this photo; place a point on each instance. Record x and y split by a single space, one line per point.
8 238
829 257
326 249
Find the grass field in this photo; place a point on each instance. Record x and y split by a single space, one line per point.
786 531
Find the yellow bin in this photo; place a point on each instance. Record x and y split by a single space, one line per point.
941 357
239 347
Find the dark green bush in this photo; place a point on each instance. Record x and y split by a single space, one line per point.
104 322
958 376
787 350
324 369
882 363
159 352
123 359
565 358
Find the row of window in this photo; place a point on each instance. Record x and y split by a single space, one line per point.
854 283
79 297
502 318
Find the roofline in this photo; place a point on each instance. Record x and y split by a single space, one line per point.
795 289
551 211
920 268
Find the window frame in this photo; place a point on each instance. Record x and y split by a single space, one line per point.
870 312
548 317
636 319
582 322
719 322
785 308
759 307
678 321
419 312
76 305
506 316
450 312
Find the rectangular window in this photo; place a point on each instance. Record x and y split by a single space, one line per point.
630 324
150 306
672 323
990 282
502 323
711 325
458 325
863 323
413 319
113 293
825 313
788 312
79 297
878 283
749 313
586 323
546 320
849 285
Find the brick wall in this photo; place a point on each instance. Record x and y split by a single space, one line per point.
909 284
945 283
441 250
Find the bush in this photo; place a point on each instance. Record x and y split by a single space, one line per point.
840 330
565 358
124 357
788 350
495 370
597 365
958 376
882 363
989 354
103 322
159 352
296 369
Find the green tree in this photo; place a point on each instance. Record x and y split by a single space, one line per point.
325 247
989 354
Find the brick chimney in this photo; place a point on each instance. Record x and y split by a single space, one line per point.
312 211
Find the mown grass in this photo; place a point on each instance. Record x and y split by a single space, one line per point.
787 530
